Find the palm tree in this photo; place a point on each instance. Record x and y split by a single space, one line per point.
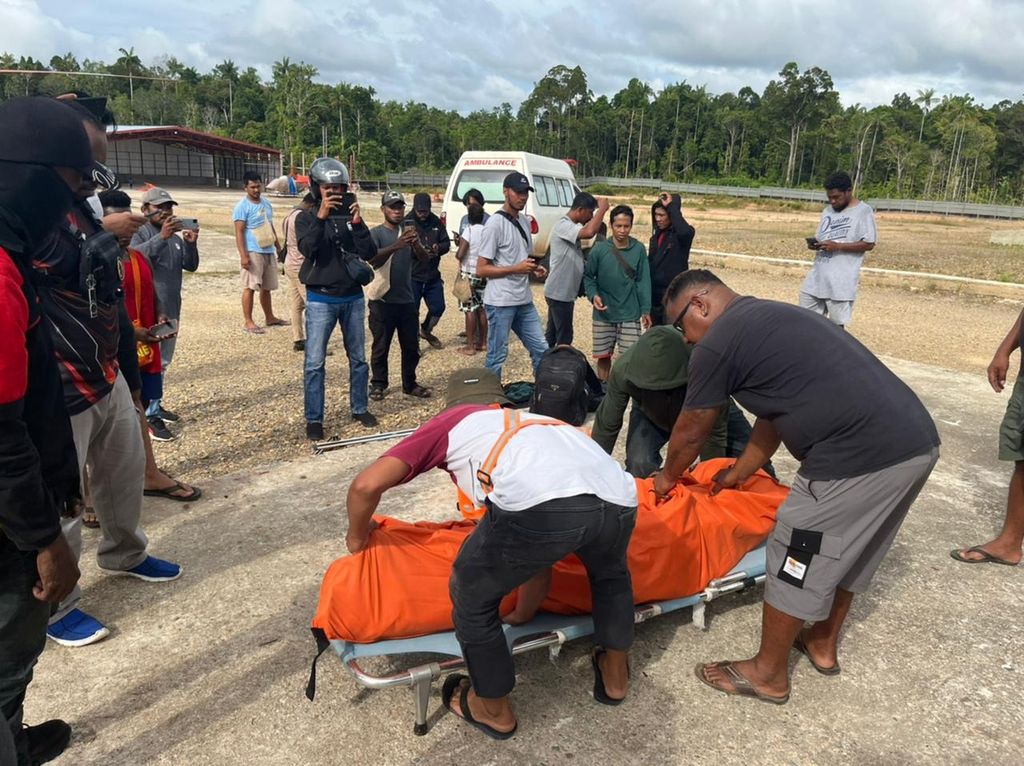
227 70
129 61
925 99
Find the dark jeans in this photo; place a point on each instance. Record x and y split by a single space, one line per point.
385 320
508 548
23 621
644 441
559 329
432 293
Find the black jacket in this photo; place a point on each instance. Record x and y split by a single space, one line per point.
323 270
668 254
431 233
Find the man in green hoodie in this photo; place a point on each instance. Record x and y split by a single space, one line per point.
653 374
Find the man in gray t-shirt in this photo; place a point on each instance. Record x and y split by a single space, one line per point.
846 231
506 262
565 269
396 310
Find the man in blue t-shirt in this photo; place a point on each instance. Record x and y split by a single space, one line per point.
257 244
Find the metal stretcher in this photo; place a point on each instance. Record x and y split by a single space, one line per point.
545 630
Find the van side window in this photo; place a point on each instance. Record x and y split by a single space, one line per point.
552 190
565 191
542 194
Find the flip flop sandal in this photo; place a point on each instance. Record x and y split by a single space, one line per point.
801 647
419 392
741 686
377 394
986 557
600 693
89 518
168 493
279 323
254 330
453 682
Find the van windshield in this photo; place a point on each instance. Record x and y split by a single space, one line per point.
489 182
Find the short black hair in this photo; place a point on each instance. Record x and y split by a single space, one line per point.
309 199
475 214
115 198
840 181
584 201
620 210
251 175
688 279
474 194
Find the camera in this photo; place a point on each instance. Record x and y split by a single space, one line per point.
100 272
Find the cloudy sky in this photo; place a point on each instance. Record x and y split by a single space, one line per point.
471 55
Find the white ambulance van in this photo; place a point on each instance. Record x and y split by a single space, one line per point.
553 180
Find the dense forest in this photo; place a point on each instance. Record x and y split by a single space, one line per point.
793 133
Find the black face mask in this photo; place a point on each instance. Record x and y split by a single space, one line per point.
33 200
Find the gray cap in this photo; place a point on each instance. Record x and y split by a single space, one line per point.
391 197
157 196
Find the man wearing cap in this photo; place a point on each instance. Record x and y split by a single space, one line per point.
44 152
426 276
399 249
505 261
170 250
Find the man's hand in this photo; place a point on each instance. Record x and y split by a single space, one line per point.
456 238
190 235
645 322
58 572
328 203
523 267
662 487
123 225
356 216
408 237
602 206
997 370
727 478
170 227
540 272
244 260
599 304
665 198
830 246
356 541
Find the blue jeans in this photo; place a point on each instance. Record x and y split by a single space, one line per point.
432 293
320 321
524 321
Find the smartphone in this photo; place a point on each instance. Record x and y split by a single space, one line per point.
343 210
812 243
164 329
192 224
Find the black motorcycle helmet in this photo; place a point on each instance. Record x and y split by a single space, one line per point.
326 170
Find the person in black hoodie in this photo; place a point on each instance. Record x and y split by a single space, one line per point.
44 152
426 276
669 251
325 235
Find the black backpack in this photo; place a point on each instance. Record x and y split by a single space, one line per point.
561 389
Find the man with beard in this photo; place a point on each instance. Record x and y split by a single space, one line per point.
44 152
426 274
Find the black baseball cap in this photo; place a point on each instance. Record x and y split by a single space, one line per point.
421 201
517 182
473 194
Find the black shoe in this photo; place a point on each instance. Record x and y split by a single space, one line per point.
299 345
377 393
315 431
46 741
167 415
366 419
158 430
420 392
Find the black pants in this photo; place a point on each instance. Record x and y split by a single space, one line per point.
385 320
559 329
23 621
507 548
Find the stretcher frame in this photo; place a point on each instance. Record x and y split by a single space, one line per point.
548 631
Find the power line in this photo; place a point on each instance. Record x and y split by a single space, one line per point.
87 74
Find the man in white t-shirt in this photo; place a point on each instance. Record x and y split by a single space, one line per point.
506 262
550 490
845 233
562 287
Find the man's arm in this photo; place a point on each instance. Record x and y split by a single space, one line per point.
1000 363
385 252
830 245
764 442
243 250
362 242
689 433
309 233
609 415
591 228
444 242
364 496
681 228
643 289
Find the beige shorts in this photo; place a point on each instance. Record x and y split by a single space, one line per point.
262 272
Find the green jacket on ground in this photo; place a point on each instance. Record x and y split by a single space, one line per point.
625 299
653 372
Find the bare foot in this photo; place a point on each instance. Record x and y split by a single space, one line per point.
615 676
822 652
277 322
253 328
467 350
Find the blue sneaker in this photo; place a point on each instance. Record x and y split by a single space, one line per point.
76 628
151 569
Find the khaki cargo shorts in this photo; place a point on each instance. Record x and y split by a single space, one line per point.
262 272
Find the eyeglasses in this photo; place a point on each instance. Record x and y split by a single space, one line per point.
678 324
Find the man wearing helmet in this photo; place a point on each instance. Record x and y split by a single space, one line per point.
333 229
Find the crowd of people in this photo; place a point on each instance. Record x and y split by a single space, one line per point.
91 308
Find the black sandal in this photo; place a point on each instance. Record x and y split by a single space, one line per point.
453 682
600 693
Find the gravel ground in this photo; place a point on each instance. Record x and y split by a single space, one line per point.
240 395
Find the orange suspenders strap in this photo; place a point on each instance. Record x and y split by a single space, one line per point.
513 425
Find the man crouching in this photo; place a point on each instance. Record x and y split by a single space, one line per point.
549 490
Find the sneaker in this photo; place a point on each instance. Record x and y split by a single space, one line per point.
299 345
151 569
158 430
76 628
167 415
366 419
315 431
45 741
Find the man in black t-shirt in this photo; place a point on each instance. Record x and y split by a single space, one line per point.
865 443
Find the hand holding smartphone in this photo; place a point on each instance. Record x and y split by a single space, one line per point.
812 243
164 330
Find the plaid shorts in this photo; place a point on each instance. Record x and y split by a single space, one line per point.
476 298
